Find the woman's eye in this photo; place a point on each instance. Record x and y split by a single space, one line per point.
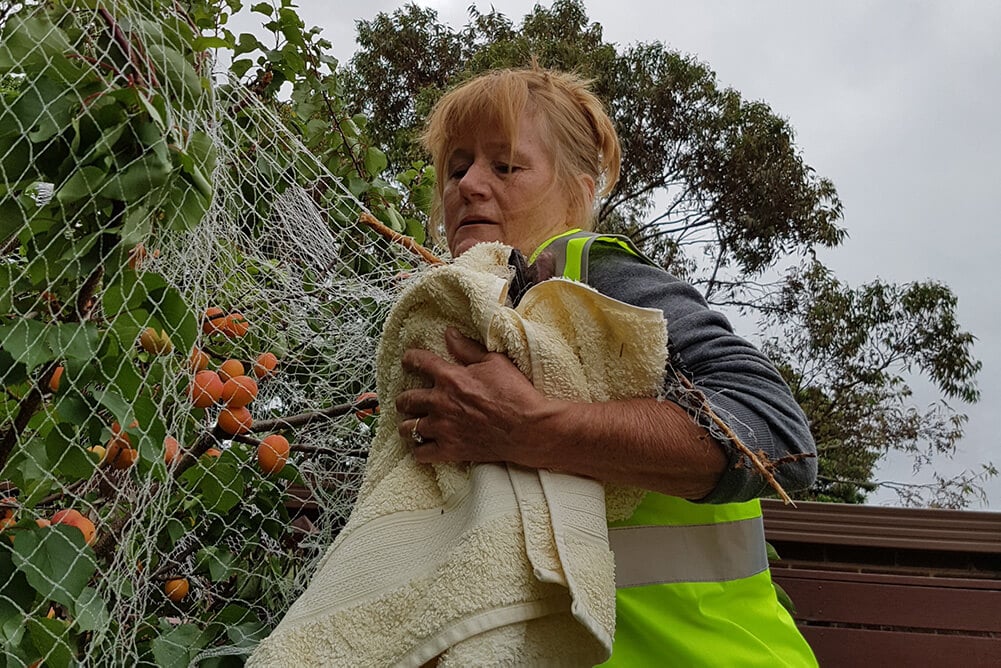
458 172
504 168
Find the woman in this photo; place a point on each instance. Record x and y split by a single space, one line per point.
520 156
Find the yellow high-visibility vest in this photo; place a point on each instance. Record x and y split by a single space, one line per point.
692 581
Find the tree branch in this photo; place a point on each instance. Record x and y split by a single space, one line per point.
401 239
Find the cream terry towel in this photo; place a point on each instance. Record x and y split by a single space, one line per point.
486 564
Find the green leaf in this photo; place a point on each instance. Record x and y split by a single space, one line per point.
71 460
83 183
395 220
167 306
41 111
416 230
784 600
169 28
74 341
177 647
138 179
217 561
119 406
184 208
16 164
232 615
375 161
210 42
198 162
25 340
247 635
357 186
71 406
52 639
29 469
136 225
90 612
124 294
30 43
239 67
246 44
14 588
349 128
104 144
56 562
16 596
222 487
11 620
183 83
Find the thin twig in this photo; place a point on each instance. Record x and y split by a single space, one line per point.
303 419
762 468
70 489
402 239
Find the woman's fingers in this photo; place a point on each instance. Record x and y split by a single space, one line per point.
466 351
415 429
424 362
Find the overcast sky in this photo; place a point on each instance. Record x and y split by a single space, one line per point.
896 102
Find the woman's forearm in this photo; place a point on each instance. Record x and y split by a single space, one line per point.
646 443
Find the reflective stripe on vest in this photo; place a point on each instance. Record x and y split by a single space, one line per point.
661 554
570 254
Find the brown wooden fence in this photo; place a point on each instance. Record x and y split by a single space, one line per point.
891 586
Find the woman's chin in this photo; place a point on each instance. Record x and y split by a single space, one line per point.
460 246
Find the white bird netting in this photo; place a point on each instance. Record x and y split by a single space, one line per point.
139 197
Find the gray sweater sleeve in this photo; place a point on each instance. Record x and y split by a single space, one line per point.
742 385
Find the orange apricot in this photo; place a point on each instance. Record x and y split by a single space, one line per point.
156 343
57 375
171 450
235 326
120 455
73 518
176 589
235 421
272 453
8 508
265 365
118 432
205 389
230 369
213 320
212 452
239 391
198 360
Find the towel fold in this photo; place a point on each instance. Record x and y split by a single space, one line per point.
484 564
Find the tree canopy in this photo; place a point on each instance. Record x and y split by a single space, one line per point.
715 189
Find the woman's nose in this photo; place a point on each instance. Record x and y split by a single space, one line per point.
475 183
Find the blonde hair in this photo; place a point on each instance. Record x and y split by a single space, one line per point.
577 131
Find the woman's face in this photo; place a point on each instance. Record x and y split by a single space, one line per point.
492 193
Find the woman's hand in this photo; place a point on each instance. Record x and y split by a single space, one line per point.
480 409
